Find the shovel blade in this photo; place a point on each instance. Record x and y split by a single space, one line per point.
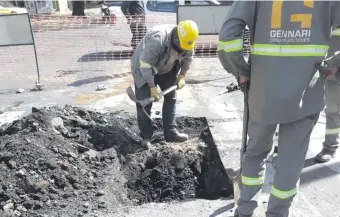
131 94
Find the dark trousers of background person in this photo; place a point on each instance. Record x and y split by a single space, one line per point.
164 81
78 8
138 30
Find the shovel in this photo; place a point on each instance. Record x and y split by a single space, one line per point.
147 101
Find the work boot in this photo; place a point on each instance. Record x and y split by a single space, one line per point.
325 156
175 136
146 143
237 214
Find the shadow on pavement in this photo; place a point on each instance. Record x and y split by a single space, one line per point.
106 56
317 172
90 80
205 53
309 162
224 209
127 54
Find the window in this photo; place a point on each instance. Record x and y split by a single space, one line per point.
170 6
162 6
166 6
202 2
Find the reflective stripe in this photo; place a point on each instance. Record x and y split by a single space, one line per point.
282 194
289 50
334 131
251 181
230 46
336 32
144 65
5 11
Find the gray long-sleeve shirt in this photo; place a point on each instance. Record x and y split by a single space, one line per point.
154 52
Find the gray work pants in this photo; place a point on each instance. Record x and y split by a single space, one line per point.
293 142
332 96
164 81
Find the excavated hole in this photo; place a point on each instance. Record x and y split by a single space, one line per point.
168 171
70 161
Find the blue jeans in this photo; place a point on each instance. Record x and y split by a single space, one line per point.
164 81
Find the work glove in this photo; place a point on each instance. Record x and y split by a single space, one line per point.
326 71
243 83
180 82
330 66
154 94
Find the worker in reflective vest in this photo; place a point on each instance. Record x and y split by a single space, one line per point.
286 89
332 96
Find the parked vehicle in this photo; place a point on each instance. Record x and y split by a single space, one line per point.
7 8
113 7
170 6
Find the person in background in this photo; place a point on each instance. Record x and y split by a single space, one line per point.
332 98
135 14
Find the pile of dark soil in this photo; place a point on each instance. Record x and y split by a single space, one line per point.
70 161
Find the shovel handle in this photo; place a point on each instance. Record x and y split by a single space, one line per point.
168 90
146 102
161 94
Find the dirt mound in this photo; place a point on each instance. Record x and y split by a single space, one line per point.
70 161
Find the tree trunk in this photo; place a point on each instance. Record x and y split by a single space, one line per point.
78 8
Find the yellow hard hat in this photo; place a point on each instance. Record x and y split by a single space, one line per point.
187 33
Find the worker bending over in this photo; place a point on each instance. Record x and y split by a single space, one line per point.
332 96
285 87
162 58
135 14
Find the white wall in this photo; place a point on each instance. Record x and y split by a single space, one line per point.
63 6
